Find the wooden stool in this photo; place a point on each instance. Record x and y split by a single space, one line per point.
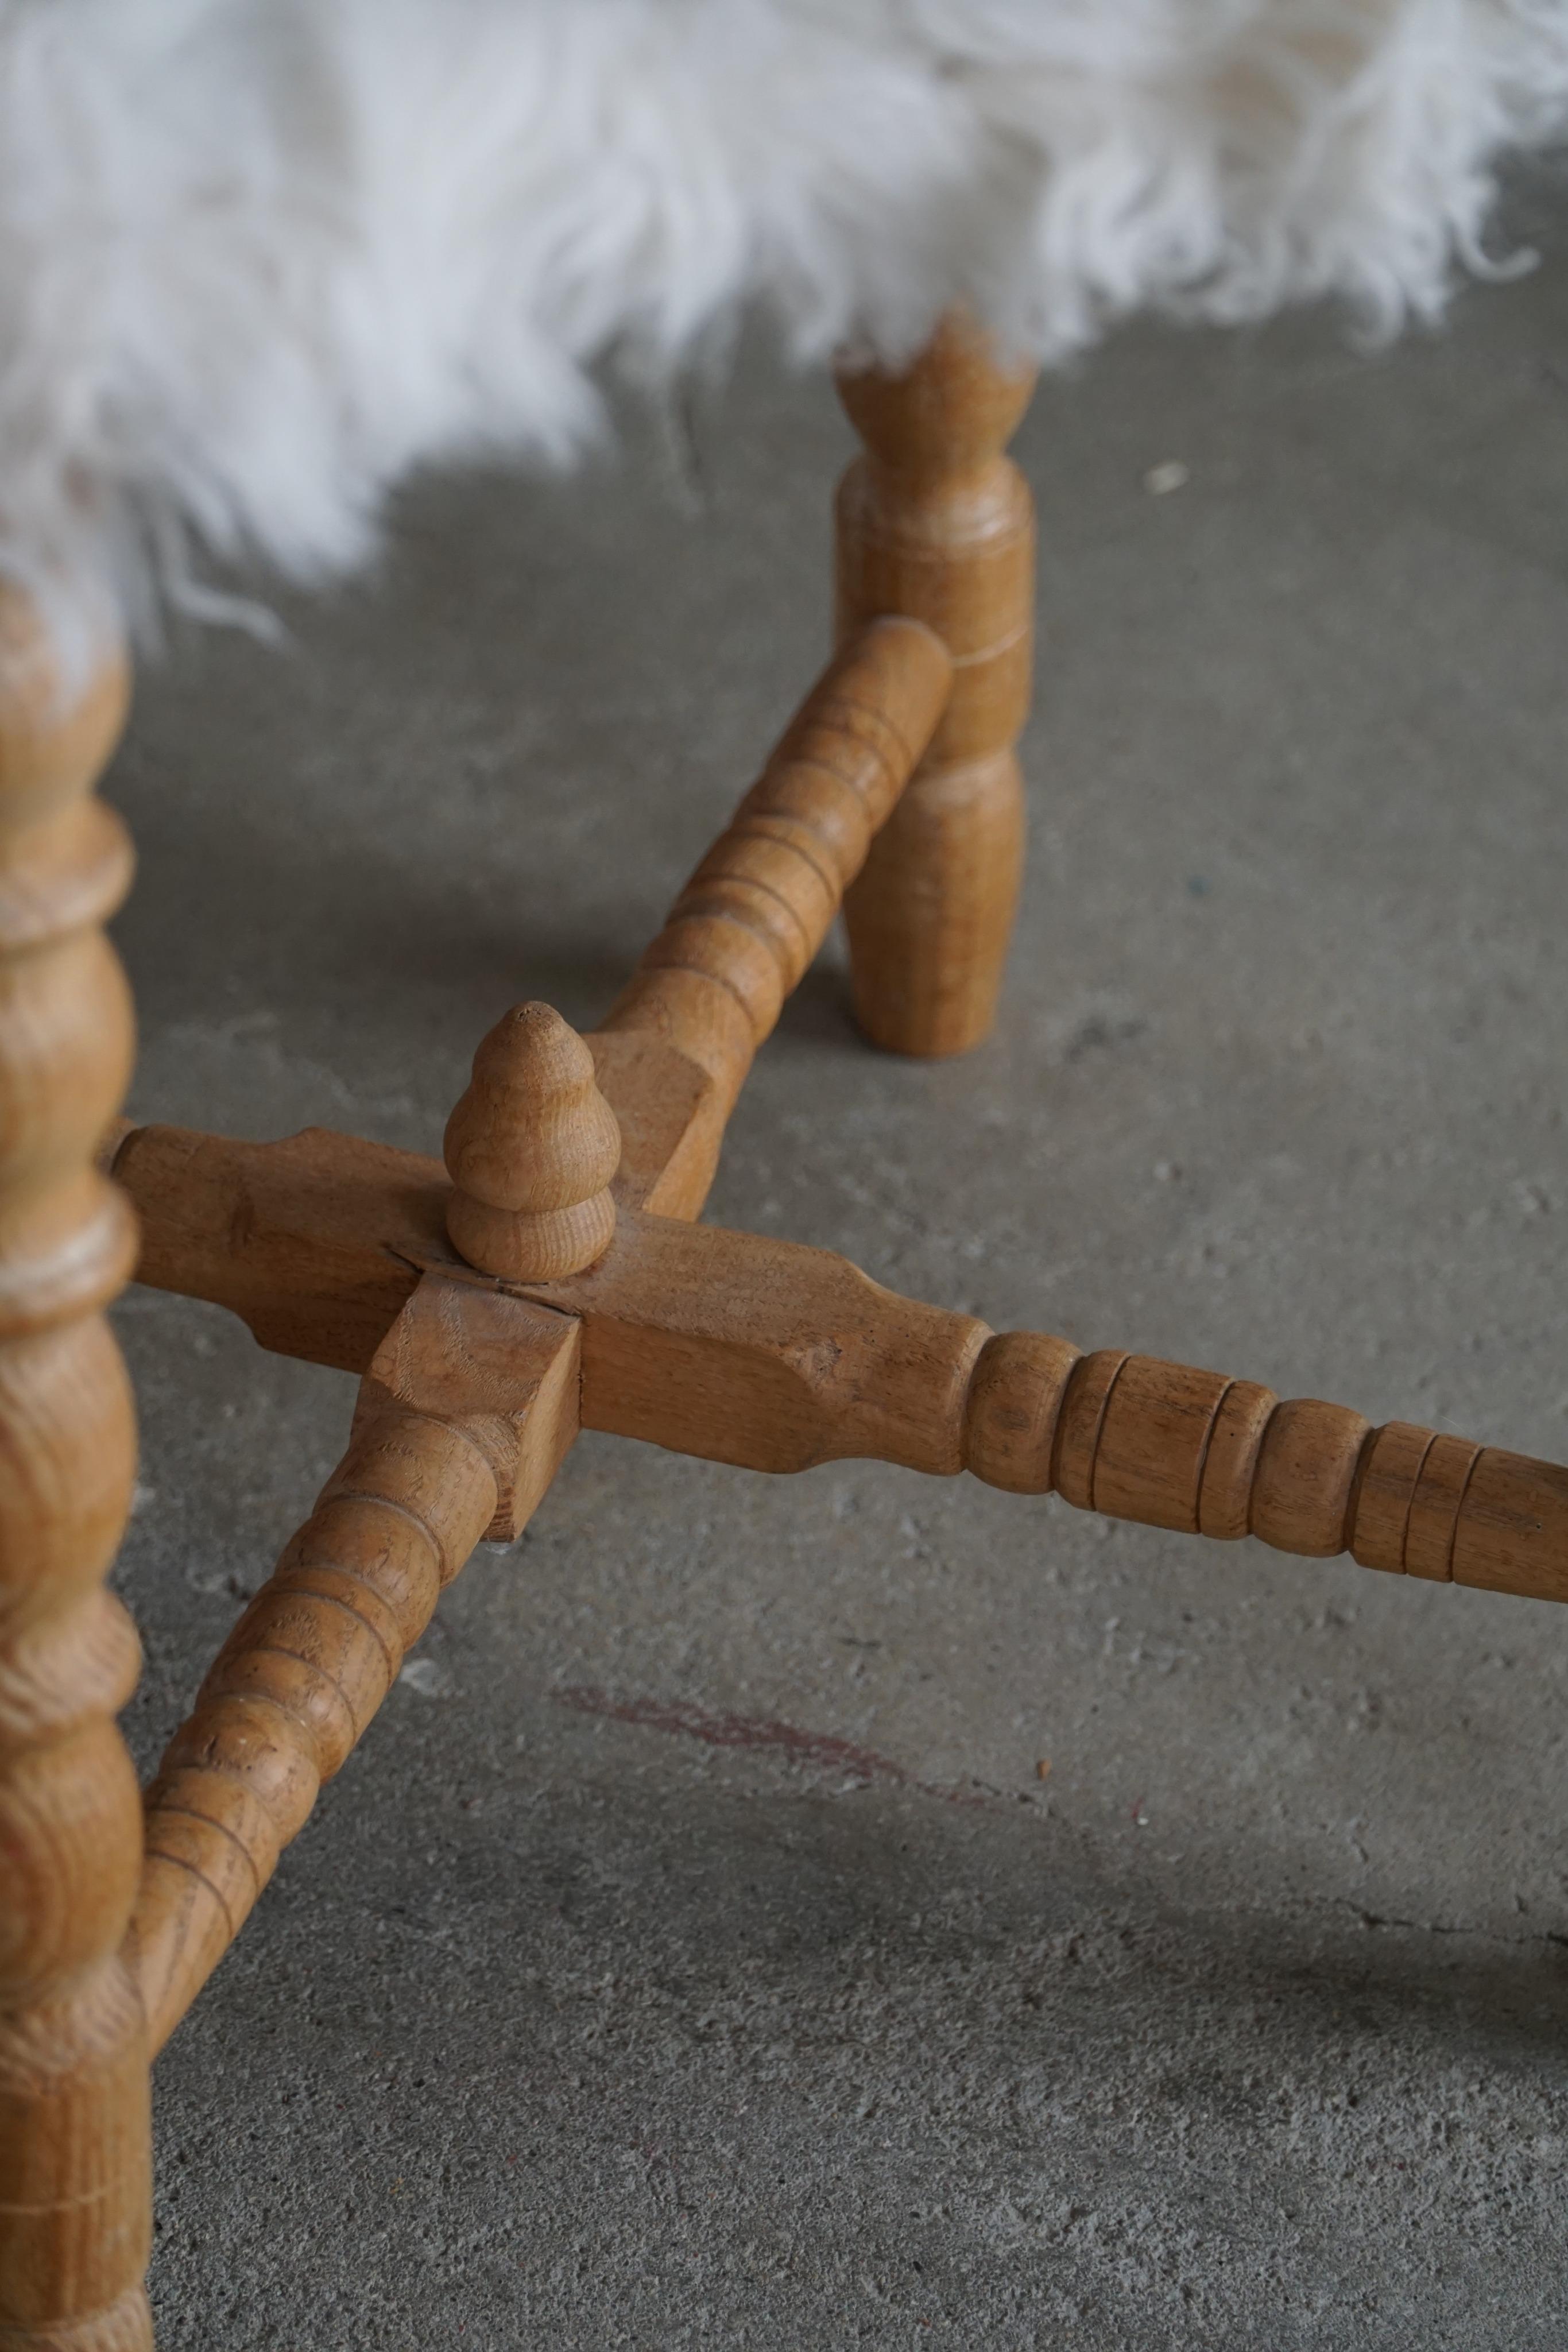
548 1278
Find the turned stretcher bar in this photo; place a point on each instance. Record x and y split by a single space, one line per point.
728 1346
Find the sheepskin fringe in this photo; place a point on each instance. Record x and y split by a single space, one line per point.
259 258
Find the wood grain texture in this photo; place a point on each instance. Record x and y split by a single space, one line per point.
75 2214
720 1344
509 1374
530 1149
765 1353
314 1655
708 990
761 1352
1171 1446
317 1240
935 523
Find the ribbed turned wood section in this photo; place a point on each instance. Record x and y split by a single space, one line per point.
75 2197
530 1149
935 523
464 1415
1171 1446
708 990
294 1687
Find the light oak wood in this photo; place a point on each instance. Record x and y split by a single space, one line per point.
765 1353
548 1278
530 1149
509 1375
316 1242
709 988
753 1350
935 523
1171 1446
75 2214
443 1453
762 1352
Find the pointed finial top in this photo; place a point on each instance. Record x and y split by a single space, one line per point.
531 1149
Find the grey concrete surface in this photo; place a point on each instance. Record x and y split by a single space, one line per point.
606 2001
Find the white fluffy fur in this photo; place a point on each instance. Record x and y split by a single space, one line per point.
260 257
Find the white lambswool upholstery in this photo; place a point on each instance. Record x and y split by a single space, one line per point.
258 257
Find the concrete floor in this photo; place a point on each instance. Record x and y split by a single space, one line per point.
603 2002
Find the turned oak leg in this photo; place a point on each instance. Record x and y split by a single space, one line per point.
934 522
74 2212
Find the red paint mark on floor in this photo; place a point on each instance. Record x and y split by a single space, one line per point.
817 1751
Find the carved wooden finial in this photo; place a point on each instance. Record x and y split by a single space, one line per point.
531 1149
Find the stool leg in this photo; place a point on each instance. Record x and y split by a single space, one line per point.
935 523
75 2171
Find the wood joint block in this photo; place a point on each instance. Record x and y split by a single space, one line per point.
506 1372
